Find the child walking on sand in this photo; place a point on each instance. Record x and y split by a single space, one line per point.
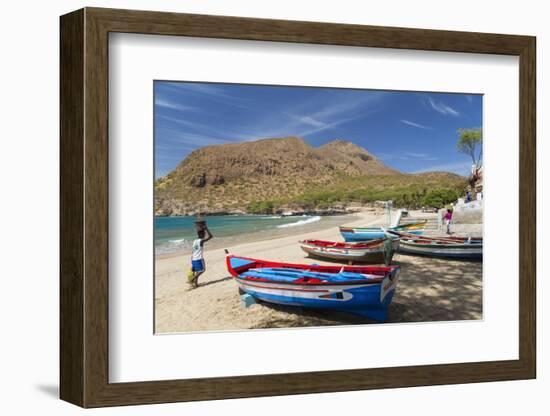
198 266
447 218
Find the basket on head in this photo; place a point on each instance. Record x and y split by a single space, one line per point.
200 225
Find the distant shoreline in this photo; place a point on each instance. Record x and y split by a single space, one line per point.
321 213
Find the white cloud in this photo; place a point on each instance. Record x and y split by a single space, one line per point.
200 88
192 140
225 135
307 120
162 102
406 156
209 91
417 125
423 156
442 108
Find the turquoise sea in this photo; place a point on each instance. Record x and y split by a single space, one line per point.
176 234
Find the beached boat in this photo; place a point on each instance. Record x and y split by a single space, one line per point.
362 290
375 251
450 247
352 234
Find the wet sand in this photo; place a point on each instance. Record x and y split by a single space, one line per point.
429 289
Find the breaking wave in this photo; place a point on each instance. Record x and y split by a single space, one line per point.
173 246
301 222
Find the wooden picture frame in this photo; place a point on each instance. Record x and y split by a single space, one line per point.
84 207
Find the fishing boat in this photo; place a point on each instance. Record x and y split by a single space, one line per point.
449 247
375 251
361 290
354 234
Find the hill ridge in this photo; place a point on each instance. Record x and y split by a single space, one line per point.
231 177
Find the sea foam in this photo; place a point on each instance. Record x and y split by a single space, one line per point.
301 222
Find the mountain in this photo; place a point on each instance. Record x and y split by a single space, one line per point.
350 159
231 177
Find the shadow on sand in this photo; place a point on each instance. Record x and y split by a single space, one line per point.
212 282
437 290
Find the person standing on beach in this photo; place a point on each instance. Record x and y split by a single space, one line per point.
448 218
198 266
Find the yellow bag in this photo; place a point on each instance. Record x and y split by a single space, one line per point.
190 274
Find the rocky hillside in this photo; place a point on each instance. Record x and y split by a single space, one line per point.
231 177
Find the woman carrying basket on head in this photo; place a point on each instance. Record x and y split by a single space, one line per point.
198 265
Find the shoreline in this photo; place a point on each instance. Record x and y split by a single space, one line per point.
429 289
267 234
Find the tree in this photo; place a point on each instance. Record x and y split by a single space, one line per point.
468 142
438 198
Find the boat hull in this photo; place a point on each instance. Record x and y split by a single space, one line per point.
357 234
349 254
470 248
371 234
475 252
364 298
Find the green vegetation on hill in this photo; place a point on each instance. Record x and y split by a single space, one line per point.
406 191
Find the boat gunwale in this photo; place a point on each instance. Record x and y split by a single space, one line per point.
358 230
368 245
434 241
442 245
388 271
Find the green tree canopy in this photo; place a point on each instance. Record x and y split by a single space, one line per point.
470 142
438 198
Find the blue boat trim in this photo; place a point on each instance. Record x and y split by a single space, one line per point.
371 234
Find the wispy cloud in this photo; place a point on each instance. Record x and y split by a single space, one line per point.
307 118
390 156
188 140
207 91
442 108
225 135
417 125
304 129
423 156
165 103
182 121
345 104
406 156
200 88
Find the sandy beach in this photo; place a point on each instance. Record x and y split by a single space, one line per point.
429 289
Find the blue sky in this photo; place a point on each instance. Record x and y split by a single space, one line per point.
410 131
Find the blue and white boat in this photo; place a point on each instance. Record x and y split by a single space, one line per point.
356 234
448 247
361 290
